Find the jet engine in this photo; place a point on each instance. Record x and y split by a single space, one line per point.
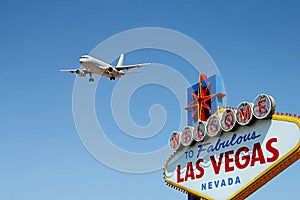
80 72
114 73
110 69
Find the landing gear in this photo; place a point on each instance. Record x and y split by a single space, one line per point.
112 78
91 79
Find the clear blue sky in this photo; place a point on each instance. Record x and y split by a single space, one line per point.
255 44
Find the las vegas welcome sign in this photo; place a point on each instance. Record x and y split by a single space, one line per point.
234 152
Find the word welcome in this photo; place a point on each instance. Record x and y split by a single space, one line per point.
262 107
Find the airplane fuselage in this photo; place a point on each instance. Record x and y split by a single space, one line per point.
95 66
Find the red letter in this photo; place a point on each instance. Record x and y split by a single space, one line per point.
245 115
257 155
245 157
187 137
211 127
272 150
262 108
216 166
228 160
189 171
179 179
199 134
200 169
230 119
175 141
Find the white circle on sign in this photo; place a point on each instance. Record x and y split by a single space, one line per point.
199 132
187 136
213 126
244 114
264 106
228 120
175 140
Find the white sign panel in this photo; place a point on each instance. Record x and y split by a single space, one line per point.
238 162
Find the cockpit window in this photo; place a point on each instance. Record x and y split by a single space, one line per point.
84 57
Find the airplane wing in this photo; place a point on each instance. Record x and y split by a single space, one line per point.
68 70
132 66
75 70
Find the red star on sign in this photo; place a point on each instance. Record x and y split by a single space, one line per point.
201 100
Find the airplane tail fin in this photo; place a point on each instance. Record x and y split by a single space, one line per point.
121 60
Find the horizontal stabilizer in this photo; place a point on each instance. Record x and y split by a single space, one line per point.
132 72
68 70
132 66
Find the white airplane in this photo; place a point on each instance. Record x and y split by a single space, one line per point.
95 66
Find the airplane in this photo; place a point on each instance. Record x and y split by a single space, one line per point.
94 66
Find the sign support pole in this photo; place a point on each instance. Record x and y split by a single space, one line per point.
206 116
